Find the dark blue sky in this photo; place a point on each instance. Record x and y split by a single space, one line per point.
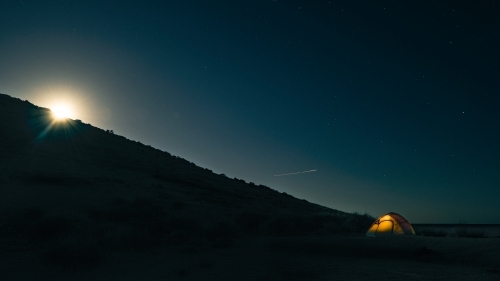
396 105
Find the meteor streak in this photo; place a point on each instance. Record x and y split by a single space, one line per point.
310 171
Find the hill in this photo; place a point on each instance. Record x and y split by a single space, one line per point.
77 192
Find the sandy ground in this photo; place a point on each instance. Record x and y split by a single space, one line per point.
297 258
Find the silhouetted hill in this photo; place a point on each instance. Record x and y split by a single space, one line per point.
77 192
37 150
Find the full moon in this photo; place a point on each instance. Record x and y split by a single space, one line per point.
61 112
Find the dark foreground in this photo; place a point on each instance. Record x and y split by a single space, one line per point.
320 257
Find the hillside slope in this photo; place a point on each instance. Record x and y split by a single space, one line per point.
71 154
73 193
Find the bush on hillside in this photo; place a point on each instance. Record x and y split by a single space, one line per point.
294 224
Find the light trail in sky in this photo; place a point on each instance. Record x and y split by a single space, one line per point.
310 171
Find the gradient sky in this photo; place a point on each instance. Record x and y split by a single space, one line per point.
395 105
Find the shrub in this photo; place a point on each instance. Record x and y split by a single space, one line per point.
359 222
465 232
338 222
430 232
477 234
293 224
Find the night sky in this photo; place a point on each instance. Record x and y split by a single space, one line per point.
396 105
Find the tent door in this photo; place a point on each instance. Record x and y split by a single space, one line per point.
386 227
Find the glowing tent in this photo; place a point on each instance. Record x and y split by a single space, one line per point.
390 224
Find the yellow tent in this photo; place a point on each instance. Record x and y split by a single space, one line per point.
390 224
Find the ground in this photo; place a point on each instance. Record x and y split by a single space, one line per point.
317 257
